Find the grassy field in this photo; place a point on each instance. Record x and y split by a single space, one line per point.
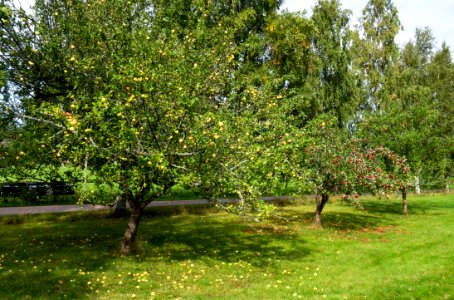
203 254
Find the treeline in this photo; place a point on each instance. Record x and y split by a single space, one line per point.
224 97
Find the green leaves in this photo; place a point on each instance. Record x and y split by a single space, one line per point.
410 120
329 161
225 97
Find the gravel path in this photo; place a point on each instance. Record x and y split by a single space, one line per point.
24 210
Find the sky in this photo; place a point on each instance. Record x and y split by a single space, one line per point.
438 15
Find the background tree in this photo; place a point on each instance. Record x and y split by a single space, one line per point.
409 120
378 51
25 155
326 82
334 85
440 79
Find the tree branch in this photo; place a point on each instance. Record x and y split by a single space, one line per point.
40 120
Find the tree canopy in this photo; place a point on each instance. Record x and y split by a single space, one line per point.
230 98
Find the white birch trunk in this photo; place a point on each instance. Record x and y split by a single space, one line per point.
417 182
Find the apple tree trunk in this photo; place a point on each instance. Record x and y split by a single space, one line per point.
129 238
319 209
404 200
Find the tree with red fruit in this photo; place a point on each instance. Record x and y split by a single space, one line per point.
333 163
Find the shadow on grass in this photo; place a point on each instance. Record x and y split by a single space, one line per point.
52 258
395 207
417 205
339 220
196 238
55 257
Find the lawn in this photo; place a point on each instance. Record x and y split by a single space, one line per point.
203 254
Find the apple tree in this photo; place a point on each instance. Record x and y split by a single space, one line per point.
124 90
332 162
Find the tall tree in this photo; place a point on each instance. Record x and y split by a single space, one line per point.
378 51
440 79
328 84
408 120
334 82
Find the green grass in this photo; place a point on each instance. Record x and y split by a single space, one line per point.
203 254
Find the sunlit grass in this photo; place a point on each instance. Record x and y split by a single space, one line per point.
374 254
